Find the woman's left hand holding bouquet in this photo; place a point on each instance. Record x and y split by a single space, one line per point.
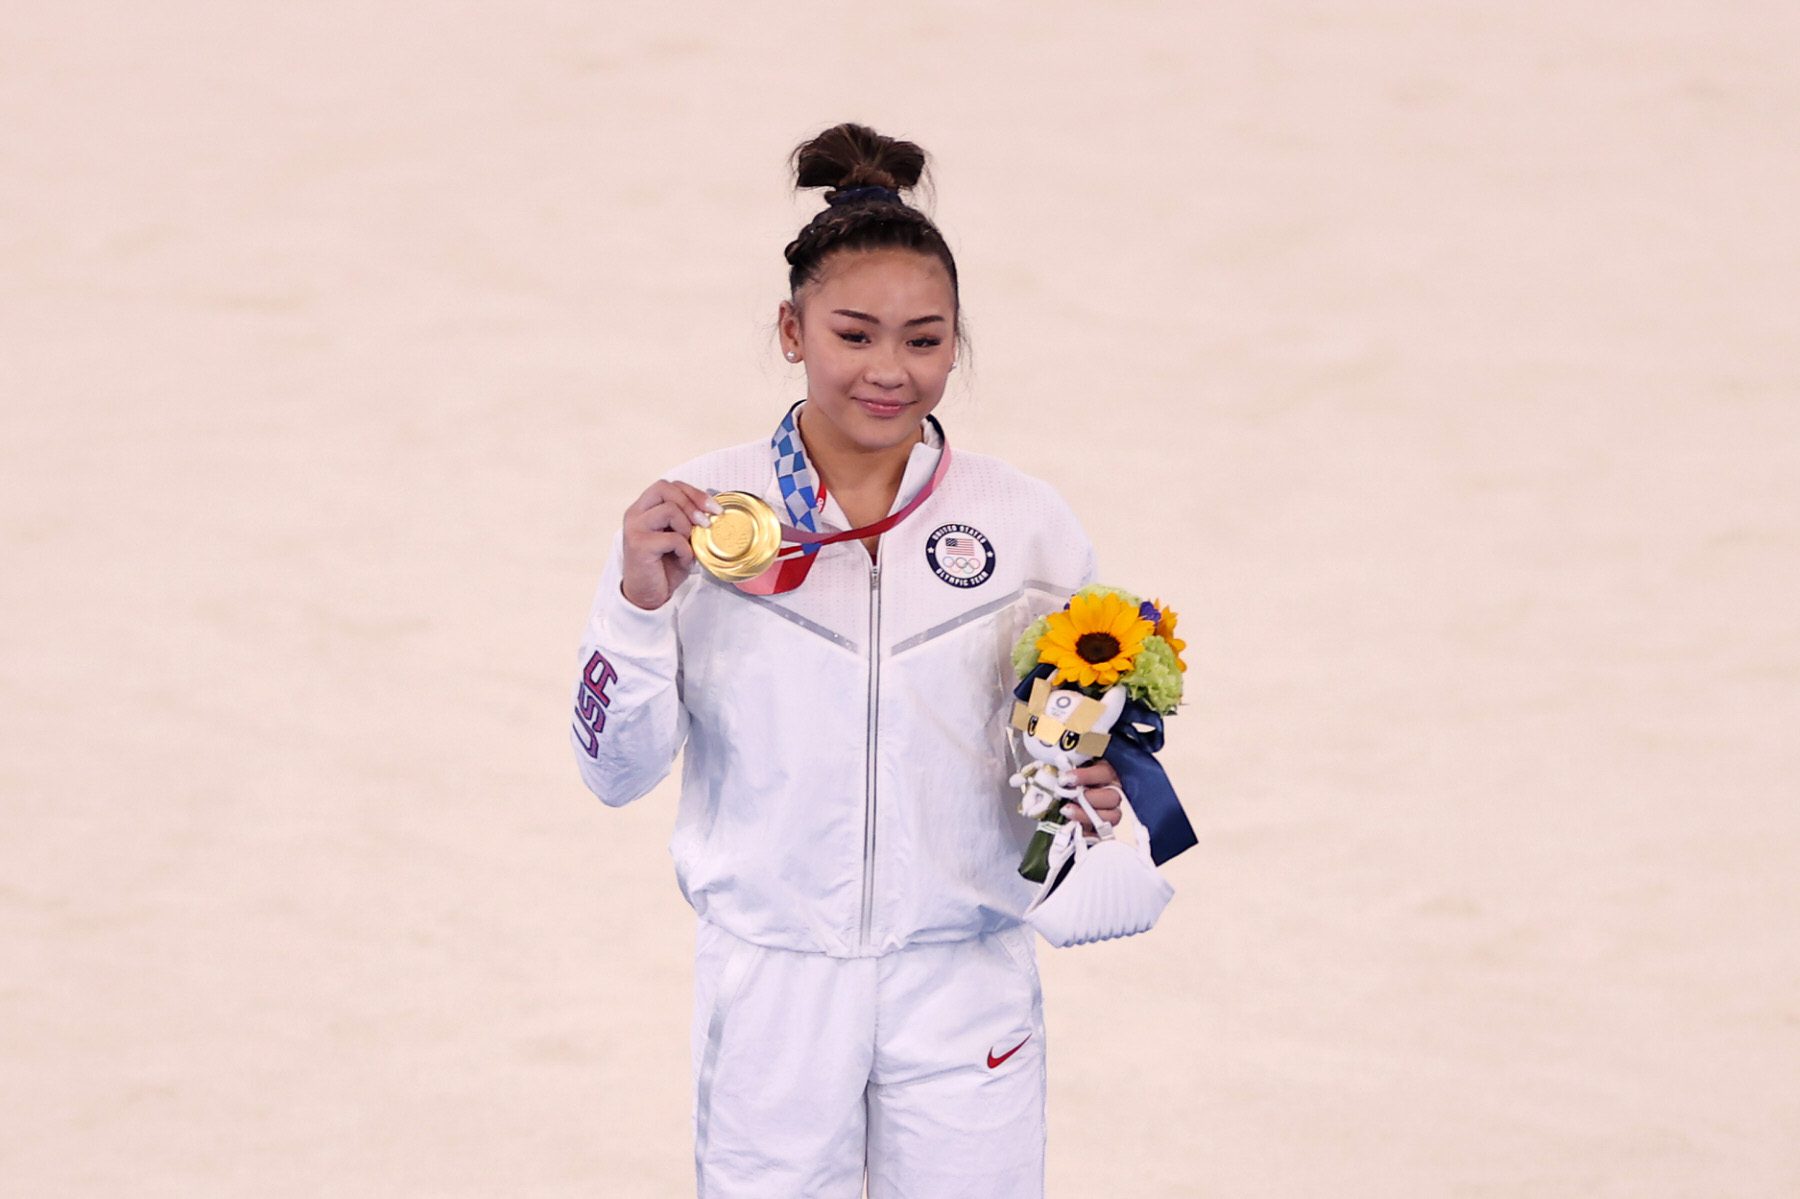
1100 783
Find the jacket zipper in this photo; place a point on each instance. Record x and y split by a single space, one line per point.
868 888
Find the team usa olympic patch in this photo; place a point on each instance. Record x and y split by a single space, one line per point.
960 555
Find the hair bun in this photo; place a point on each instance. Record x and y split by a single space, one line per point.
850 155
865 172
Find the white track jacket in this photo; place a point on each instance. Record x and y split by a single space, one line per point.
844 788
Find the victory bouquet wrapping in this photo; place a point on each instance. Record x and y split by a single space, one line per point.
1096 680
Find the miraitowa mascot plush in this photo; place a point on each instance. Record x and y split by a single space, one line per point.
1096 680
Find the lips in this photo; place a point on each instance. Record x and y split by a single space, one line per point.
882 407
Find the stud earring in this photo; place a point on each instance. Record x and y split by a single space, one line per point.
792 357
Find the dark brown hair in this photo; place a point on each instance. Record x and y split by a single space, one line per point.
851 156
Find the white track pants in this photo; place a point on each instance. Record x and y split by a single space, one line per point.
924 1065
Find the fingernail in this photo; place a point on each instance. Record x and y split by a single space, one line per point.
701 518
712 505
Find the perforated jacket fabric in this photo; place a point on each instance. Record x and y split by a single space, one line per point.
844 788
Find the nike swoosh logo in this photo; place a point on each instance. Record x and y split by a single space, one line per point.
995 1061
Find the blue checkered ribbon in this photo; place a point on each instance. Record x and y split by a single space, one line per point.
799 483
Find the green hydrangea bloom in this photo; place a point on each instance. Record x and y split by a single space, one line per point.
1155 678
1024 651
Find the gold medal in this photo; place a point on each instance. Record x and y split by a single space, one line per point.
742 541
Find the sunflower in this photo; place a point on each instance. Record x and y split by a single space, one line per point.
1095 640
1165 628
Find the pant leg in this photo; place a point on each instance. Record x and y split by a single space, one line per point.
782 1043
956 1100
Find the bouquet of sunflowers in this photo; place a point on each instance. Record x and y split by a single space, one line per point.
1096 680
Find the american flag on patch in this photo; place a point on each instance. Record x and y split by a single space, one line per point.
956 543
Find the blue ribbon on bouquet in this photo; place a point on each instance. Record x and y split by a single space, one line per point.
1132 751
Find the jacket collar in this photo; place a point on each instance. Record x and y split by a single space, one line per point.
920 464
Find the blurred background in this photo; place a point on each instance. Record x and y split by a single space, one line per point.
1436 361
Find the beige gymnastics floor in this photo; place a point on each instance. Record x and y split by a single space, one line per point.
1437 360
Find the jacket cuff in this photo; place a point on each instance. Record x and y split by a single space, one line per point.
647 631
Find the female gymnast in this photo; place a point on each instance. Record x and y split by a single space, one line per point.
866 1002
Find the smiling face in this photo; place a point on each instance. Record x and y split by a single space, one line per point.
876 332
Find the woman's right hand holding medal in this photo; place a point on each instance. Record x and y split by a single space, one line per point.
658 527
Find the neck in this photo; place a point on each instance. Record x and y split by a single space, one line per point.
849 469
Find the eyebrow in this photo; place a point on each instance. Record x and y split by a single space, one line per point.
863 316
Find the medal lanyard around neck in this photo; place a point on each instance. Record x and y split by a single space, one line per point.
804 494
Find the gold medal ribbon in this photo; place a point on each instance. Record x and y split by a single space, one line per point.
749 546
